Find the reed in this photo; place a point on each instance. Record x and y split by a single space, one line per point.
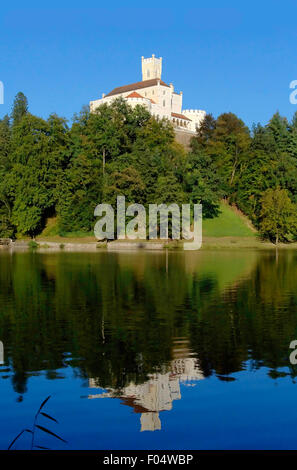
38 426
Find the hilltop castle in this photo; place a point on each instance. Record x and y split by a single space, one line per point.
159 98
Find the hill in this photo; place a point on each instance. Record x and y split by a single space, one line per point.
230 223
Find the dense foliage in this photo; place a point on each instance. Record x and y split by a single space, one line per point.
49 169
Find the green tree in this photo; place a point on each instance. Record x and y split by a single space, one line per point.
231 141
38 157
203 183
80 190
20 108
6 228
204 133
278 215
278 126
5 133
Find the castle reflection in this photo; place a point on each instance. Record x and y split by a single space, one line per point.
160 390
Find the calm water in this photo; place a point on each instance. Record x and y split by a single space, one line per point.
140 352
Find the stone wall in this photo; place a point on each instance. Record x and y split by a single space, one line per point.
183 138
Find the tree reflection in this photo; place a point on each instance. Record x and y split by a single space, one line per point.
115 317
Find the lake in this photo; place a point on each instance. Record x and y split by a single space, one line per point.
148 350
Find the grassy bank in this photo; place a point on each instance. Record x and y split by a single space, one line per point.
230 230
230 223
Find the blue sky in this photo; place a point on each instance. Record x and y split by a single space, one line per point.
240 57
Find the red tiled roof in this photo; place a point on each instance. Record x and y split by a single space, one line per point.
136 86
134 94
180 116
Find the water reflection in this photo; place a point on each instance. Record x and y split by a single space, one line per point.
159 391
136 326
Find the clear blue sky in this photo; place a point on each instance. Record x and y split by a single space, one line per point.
239 57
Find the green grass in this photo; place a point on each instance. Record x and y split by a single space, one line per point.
78 234
229 223
51 230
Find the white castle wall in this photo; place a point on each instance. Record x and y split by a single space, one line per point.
161 95
196 116
177 103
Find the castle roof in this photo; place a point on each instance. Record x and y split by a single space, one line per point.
180 116
134 94
137 86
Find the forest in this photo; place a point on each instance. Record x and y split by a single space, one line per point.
49 168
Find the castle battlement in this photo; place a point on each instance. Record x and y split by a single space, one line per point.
151 59
196 116
194 111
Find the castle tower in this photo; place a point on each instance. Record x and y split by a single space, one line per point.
151 68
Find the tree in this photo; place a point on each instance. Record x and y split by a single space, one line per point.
204 133
20 108
278 126
126 182
79 192
113 129
6 229
292 146
4 140
278 215
168 190
203 183
38 157
231 140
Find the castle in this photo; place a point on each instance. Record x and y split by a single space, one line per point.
159 98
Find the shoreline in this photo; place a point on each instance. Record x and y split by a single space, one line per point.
44 244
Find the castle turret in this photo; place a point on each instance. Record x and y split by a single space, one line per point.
151 67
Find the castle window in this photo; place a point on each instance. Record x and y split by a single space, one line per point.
163 102
148 73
